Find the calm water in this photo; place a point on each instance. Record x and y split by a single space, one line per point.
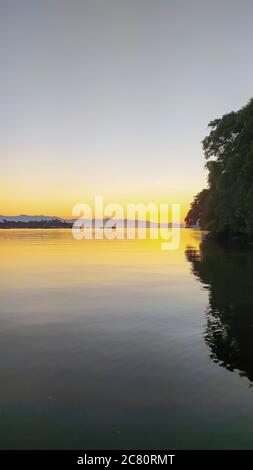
117 344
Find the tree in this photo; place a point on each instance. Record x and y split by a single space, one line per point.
226 206
198 211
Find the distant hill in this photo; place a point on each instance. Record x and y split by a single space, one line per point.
28 218
24 221
45 221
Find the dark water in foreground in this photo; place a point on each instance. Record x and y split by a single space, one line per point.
117 344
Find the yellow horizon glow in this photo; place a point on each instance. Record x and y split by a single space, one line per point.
56 195
63 209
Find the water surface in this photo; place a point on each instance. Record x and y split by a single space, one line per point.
117 344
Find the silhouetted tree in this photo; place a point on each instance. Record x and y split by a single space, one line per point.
226 206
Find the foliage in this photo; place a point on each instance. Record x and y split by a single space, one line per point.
226 206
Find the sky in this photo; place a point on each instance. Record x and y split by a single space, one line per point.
113 98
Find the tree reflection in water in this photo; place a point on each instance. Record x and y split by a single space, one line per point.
227 273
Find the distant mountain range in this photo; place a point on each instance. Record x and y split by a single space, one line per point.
28 218
45 221
33 221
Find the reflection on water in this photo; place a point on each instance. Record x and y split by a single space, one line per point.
102 346
227 274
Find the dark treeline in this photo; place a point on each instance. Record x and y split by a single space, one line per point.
54 223
225 207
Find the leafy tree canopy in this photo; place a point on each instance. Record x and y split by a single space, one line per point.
226 206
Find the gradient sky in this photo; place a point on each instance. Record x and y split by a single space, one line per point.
113 97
